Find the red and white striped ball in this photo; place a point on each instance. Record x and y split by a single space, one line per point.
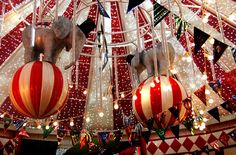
153 100
38 90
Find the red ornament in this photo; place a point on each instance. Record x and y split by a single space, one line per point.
155 98
38 90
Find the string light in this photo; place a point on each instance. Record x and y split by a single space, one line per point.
173 71
210 101
116 106
210 57
157 80
122 95
72 122
204 77
85 92
201 112
39 126
207 92
135 97
232 17
2 115
55 123
87 119
152 84
212 40
189 59
101 114
47 127
70 85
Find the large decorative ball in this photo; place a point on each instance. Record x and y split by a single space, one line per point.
155 97
38 90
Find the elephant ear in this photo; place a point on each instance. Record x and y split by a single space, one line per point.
62 27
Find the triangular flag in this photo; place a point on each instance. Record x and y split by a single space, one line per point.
138 129
46 132
74 137
233 50
175 130
200 93
133 3
188 103
159 13
104 137
161 133
179 30
150 123
216 86
117 135
215 113
227 106
9 147
61 133
175 111
18 124
7 122
205 149
146 135
102 10
200 38
218 50
23 133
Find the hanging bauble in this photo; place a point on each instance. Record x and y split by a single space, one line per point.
155 97
38 90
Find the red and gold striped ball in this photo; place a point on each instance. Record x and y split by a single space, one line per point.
153 100
38 90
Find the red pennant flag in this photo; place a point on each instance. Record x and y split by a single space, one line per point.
200 93
23 133
224 138
175 130
218 50
227 106
200 38
133 3
215 113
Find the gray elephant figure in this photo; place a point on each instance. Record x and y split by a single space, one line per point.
145 60
51 41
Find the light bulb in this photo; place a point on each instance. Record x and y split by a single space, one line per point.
205 119
101 114
85 92
173 71
192 85
189 59
39 126
72 123
152 84
183 58
55 123
232 17
211 101
207 92
47 127
24 124
210 57
71 85
157 80
2 115
135 97
116 106
104 98
122 95
87 119
212 40
201 112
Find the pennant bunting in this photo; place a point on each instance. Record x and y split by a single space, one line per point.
74 137
102 10
200 38
218 50
206 149
174 111
23 133
133 3
215 113
200 93
117 135
216 86
7 122
46 132
233 50
61 133
179 30
175 130
159 13
161 133
146 135
104 137
227 106
18 124
150 124
232 134
9 147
